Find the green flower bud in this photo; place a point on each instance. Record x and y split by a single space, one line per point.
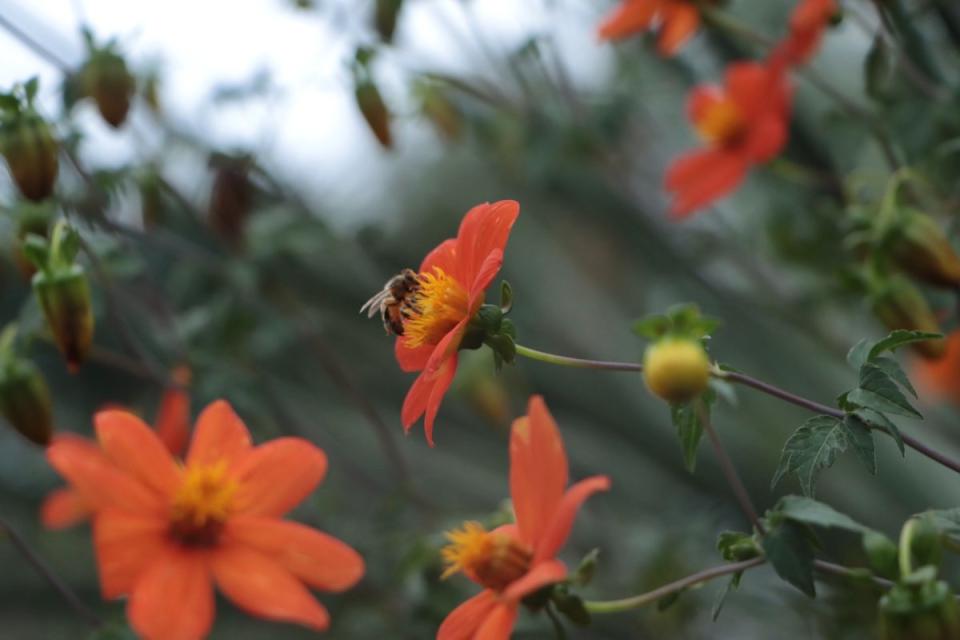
108 81
30 149
924 612
25 400
374 110
900 305
922 249
64 296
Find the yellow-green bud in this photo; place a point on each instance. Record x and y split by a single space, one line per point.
25 400
64 297
676 369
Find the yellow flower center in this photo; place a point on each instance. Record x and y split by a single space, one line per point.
437 305
202 503
492 559
722 122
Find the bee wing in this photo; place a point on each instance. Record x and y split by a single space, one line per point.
372 306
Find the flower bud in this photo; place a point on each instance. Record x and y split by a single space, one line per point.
900 305
676 369
108 81
923 250
919 612
64 296
30 149
374 111
385 18
437 107
231 196
32 218
25 400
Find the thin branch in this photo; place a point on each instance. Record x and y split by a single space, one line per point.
578 363
85 612
35 46
730 473
635 602
777 392
844 572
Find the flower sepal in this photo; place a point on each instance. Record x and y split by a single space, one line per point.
24 396
491 327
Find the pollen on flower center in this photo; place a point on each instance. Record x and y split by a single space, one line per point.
721 122
437 305
491 559
202 504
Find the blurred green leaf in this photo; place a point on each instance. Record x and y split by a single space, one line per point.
788 548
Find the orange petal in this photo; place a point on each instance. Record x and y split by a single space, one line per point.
411 359
680 21
126 545
557 532
538 470
702 98
426 396
539 576
443 256
447 347
173 420
320 560
219 435
702 177
484 229
63 508
98 480
630 17
173 599
498 624
263 588
135 448
275 477
485 275
766 138
462 623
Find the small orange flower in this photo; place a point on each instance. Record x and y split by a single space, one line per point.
807 23
513 561
743 123
940 378
65 507
451 285
166 532
676 20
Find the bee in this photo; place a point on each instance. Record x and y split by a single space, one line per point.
394 301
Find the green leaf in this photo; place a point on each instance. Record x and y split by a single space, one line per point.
506 297
37 251
858 353
30 88
571 606
946 520
813 446
788 548
893 369
732 584
879 392
809 511
585 570
900 338
652 327
861 439
687 418
878 68
882 553
883 423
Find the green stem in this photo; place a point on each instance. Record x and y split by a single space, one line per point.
578 363
635 602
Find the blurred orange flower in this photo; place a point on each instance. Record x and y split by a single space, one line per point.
743 123
677 21
452 282
941 377
165 532
513 561
65 507
807 24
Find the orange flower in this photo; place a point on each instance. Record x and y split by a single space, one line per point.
677 21
940 378
165 533
451 285
743 123
513 561
65 507
807 24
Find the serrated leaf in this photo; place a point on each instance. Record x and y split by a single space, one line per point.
813 446
900 338
883 423
809 511
858 353
861 439
789 550
878 391
732 584
687 419
892 368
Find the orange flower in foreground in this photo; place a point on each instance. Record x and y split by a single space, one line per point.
940 378
449 291
807 23
165 532
65 507
514 561
743 123
676 20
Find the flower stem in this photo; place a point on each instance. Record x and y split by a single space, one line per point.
730 473
59 585
635 602
566 361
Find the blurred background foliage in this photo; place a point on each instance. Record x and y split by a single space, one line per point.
213 256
